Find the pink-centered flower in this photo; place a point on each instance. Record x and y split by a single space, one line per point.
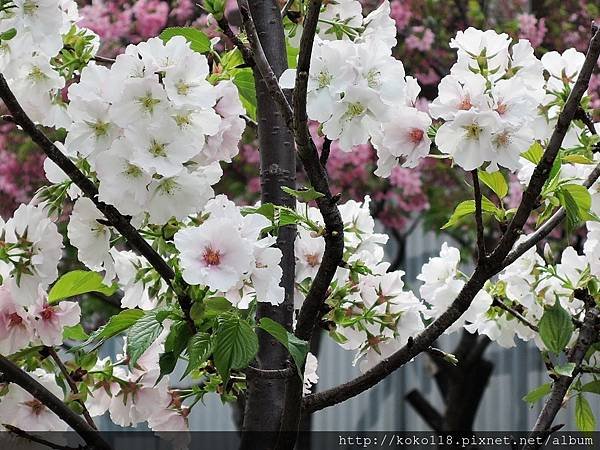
16 330
50 319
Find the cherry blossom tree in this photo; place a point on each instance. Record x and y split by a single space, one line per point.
236 293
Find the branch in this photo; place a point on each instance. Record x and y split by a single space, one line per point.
587 336
36 439
481 252
104 59
548 226
315 171
542 170
116 219
493 264
16 375
286 8
426 410
262 64
234 38
72 386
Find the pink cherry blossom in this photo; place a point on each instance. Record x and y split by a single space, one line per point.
51 319
16 329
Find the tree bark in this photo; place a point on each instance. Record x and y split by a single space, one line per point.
265 397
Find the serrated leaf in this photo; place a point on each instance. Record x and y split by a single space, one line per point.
584 416
141 335
78 282
495 181
555 328
297 347
304 196
199 42
115 325
538 393
199 349
534 153
235 345
244 81
577 201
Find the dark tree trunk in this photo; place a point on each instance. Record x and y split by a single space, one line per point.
265 397
462 387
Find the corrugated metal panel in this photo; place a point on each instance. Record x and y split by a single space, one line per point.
383 407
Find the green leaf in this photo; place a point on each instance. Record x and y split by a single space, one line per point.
297 347
244 81
199 42
8 34
115 325
565 369
235 345
199 349
231 60
577 202
576 159
592 386
141 335
538 393
166 363
215 306
495 181
304 196
215 7
535 153
467 208
292 55
175 344
462 210
556 328
75 333
584 416
78 282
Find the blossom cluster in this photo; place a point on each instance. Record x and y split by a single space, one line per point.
30 250
33 34
133 395
532 284
153 129
227 253
371 311
358 91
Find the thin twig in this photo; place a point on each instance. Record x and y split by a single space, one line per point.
263 66
251 123
286 8
547 227
500 304
235 39
481 252
72 386
104 59
38 440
